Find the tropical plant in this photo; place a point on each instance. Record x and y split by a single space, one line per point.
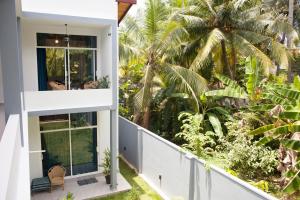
103 82
245 156
69 196
222 31
232 89
155 38
106 162
192 133
284 102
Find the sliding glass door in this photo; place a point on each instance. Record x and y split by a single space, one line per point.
71 141
57 147
82 67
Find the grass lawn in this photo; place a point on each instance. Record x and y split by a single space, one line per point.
140 189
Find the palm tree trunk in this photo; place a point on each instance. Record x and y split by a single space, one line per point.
234 61
225 60
146 117
136 118
289 41
277 65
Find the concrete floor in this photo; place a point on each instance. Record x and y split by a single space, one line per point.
89 191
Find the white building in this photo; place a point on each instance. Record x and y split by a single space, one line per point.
59 62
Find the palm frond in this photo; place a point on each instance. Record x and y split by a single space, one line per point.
187 81
215 37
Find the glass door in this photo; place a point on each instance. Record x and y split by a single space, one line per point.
51 69
70 140
57 150
84 154
82 67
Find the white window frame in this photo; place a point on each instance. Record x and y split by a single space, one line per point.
70 129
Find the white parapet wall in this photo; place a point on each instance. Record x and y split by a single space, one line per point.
105 9
14 182
177 174
67 101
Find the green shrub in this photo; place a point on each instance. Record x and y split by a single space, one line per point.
69 196
134 194
246 157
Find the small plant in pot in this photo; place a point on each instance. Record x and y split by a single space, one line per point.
106 165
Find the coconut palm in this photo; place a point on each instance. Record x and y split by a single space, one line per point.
224 30
156 37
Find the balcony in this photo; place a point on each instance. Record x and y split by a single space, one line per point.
67 101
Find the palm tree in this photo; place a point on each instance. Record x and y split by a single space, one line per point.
155 37
224 30
289 42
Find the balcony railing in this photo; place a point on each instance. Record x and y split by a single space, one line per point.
67 101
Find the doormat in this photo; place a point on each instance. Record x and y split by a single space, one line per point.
87 181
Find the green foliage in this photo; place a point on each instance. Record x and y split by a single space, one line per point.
232 89
291 144
69 196
216 124
140 189
103 82
167 58
246 157
106 162
284 124
134 194
263 185
191 132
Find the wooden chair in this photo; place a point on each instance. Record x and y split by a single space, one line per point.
91 85
56 176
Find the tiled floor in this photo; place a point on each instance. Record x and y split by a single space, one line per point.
89 191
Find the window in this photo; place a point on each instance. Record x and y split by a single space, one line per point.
66 61
70 140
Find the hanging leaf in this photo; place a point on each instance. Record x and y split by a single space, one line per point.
293 185
264 141
262 129
216 124
227 92
289 93
296 83
221 111
231 84
294 115
291 144
276 99
262 108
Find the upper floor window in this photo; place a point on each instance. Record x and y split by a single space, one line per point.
61 40
66 61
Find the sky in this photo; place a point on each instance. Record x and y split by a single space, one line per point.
134 8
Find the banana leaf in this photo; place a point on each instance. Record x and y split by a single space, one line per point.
291 144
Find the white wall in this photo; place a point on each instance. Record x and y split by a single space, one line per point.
103 134
183 175
13 168
64 101
106 52
103 137
29 43
105 9
35 159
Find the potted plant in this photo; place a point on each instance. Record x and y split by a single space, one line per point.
106 165
103 82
